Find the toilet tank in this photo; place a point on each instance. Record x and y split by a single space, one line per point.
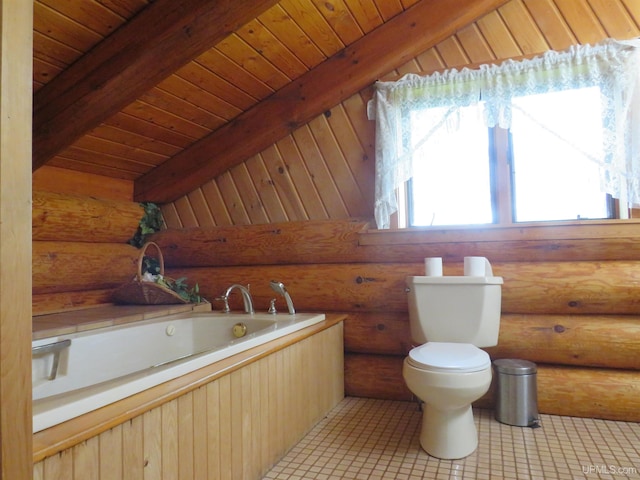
455 309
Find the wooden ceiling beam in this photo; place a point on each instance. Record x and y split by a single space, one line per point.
160 39
389 46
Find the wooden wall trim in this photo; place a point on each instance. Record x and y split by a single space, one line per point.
16 44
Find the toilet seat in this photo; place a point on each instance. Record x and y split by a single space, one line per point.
449 357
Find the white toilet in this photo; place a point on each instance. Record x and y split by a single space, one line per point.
450 317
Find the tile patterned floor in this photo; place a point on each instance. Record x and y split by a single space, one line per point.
378 439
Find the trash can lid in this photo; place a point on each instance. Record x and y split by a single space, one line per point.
513 366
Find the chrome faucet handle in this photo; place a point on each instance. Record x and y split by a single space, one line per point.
272 307
225 303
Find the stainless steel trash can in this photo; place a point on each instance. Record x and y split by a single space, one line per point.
516 393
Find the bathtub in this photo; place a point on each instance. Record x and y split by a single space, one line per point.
80 372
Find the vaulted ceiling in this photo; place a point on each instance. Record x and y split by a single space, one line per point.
170 94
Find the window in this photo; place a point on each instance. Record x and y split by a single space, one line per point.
517 140
544 168
556 146
451 183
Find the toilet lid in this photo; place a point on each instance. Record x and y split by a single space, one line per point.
449 357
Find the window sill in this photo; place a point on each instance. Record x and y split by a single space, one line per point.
585 229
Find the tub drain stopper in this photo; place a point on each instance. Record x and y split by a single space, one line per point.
239 330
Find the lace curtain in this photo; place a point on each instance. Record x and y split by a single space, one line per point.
614 66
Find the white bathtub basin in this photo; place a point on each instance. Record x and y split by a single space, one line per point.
104 365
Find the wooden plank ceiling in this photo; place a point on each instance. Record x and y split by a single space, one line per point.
131 90
253 112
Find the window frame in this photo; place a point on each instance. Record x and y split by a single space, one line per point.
502 191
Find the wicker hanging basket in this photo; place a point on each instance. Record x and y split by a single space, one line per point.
141 292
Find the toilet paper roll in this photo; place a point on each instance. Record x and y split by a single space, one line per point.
477 267
433 267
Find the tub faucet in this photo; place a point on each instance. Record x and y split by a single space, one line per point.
279 287
246 298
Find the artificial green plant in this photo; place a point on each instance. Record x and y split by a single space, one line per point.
150 223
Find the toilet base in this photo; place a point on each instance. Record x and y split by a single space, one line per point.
448 434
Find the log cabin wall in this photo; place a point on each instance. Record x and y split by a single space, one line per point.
571 294
79 248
